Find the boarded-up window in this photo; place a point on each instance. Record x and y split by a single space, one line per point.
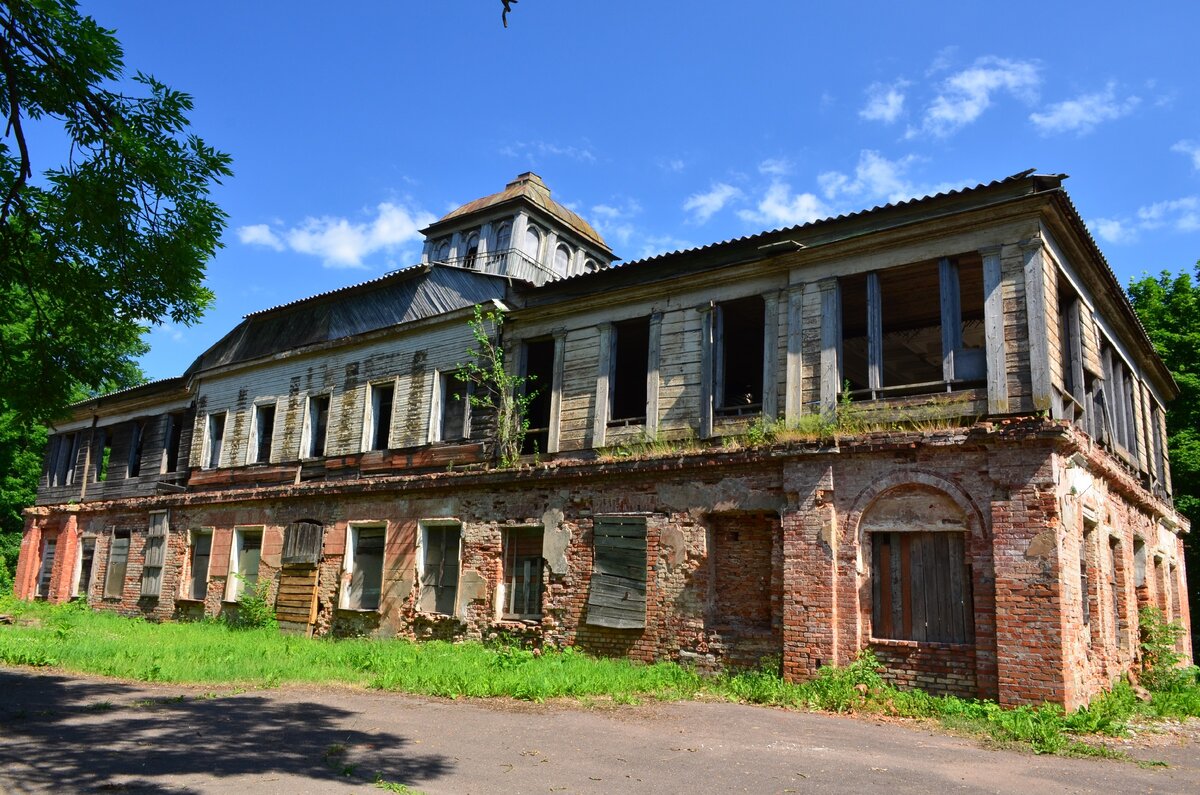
118 560
47 568
302 544
523 568
156 551
617 596
921 587
364 564
741 555
199 553
439 575
243 563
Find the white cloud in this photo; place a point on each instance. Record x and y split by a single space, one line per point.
532 149
703 206
672 165
779 206
875 177
1179 215
259 235
1082 114
662 244
965 95
885 102
1191 149
1113 230
775 167
339 242
613 221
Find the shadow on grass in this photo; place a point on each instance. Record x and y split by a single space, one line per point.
68 735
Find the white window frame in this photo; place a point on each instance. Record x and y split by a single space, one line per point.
252 437
186 583
371 413
502 592
236 543
353 529
442 379
87 587
424 526
306 451
159 532
206 461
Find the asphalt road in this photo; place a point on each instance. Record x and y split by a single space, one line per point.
61 733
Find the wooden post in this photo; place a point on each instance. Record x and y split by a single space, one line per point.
993 327
874 334
793 397
1037 312
603 388
951 316
653 357
831 345
770 396
707 371
556 387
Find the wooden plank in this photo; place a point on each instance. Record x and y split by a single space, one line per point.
920 594
707 373
1036 315
939 575
901 619
557 378
770 389
874 332
617 542
793 395
957 591
883 593
603 372
653 357
831 344
904 582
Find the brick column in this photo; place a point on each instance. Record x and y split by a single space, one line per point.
66 552
809 566
25 584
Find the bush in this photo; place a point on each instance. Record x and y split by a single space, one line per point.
1160 655
254 610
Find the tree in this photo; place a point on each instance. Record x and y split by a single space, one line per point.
1169 308
108 239
496 390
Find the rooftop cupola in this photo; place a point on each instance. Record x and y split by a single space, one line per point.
519 232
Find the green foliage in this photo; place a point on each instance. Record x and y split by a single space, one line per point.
1159 643
497 390
112 234
1169 308
254 609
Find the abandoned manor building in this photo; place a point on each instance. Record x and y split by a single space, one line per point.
934 429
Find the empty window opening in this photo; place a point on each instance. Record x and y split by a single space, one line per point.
739 348
471 252
172 436
214 438
455 405
630 363
539 375
617 592
118 561
199 553
364 567
1115 399
914 329
442 251
47 568
137 432
523 569
64 464
244 560
104 455
1116 583
741 569
439 572
87 556
264 433
1085 576
921 587
1070 342
318 425
155 554
1139 563
382 398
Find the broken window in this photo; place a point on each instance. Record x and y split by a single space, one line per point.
118 560
617 592
63 468
455 406
199 553
503 237
172 435
898 340
214 438
244 560
264 433
439 572
379 425
523 566
155 554
1117 403
471 251
630 363
137 431
318 425
87 556
47 568
921 587
739 341
103 455
539 375
363 566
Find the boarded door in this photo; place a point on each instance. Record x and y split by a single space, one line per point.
296 602
617 596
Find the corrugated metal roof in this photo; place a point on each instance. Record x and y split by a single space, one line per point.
528 186
399 297
161 384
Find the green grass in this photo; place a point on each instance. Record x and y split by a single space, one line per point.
210 653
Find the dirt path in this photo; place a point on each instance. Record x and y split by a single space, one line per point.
61 733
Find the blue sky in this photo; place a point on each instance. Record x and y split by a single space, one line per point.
666 124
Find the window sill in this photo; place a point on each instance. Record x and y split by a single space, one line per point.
896 643
187 600
363 610
523 619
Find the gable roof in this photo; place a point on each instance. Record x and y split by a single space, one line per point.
527 187
398 297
